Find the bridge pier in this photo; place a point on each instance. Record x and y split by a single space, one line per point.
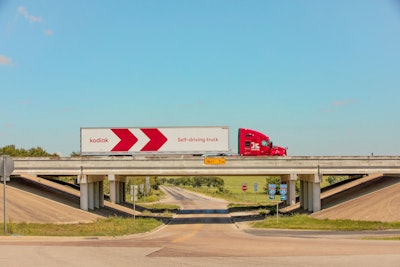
310 192
117 188
301 194
290 179
92 191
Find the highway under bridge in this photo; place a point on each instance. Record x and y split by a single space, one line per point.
92 171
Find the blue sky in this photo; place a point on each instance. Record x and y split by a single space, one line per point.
319 77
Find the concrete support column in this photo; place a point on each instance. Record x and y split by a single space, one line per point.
310 196
84 198
96 196
113 191
117 192
91 189
113 188
301 194
122 193
101 192
317 193
305 188
117 188
316 197
291 198
91 196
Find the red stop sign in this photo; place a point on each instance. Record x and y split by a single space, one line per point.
244 187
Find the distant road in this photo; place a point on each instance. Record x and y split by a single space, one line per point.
203 234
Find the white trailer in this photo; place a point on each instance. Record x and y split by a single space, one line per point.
155 140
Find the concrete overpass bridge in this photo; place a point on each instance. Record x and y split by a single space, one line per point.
92 171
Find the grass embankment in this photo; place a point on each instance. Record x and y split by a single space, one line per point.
304 222
112 226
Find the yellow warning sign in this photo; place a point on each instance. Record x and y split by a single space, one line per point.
214 161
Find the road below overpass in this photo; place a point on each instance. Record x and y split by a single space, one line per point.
203 234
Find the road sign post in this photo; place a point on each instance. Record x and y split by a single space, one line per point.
283 191
147 186
271 192
141 190
134 193
244 188
6 168
255 186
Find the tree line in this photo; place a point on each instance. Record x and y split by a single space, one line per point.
13 151
197 181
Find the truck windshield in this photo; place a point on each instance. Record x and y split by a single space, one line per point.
264 143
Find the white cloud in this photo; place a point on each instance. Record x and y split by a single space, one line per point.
48 32
342 102
337 105
25 102
5 60
24 12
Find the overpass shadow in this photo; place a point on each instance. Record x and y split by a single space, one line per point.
205 211
202 216
213 216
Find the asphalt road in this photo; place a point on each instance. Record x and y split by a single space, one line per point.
203 234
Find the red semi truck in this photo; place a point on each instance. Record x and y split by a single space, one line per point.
174 140
253 143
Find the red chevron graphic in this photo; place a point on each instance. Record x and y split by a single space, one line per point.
157 139
127 140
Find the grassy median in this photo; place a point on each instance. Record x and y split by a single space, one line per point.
112 226
118 226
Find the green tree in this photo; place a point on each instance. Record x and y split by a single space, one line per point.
331 180
75 154
197 181
272 180
13 151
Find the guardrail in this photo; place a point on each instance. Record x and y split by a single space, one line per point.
184 165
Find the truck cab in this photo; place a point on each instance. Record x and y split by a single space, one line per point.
253 143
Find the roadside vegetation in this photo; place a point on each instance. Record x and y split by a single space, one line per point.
382 238
13 151
112 226
305 222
